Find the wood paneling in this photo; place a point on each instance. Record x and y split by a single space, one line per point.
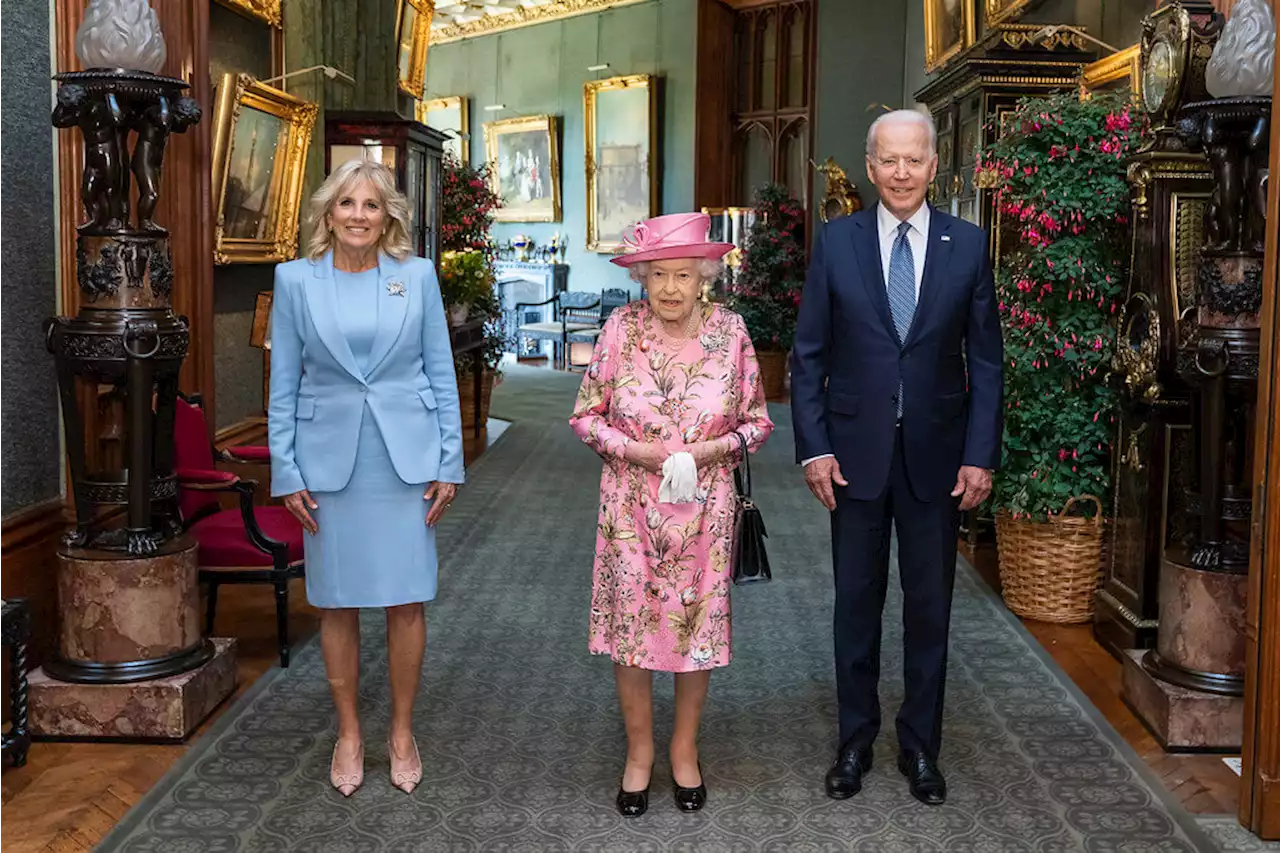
1260 782
28 567
713 127
184 204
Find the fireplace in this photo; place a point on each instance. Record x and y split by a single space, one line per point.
519 282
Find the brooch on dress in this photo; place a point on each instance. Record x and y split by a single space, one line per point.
395 288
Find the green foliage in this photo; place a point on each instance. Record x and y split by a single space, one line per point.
767 292
466 259
1059 174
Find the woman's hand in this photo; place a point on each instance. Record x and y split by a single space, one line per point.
648 455
708 453
299 503
444 494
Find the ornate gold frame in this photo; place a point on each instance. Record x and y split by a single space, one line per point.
523 17
415 84
267 11
544 123
999 11
590 92
1124 65
934 58
235 92
462 102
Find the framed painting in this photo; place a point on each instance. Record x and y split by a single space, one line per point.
948 29
620 116
260 140
525 157
267 11
450 116
1117 71
413 32
1001 11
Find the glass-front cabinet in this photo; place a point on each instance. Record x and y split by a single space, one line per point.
410 149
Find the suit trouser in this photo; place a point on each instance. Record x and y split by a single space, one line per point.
927 532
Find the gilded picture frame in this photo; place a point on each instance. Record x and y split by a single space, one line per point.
1120 69
620 120
525 157
267 11
948 29
452 116
413 35
1002 11
260 141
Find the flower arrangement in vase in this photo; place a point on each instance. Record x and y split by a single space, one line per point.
1059 174
766 291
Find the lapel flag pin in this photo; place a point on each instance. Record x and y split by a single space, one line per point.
946 238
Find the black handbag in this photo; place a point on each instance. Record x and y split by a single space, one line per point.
749 562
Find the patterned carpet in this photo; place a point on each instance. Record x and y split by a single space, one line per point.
521 736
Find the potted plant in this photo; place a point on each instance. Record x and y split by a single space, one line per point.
1059 175
770 280
467 276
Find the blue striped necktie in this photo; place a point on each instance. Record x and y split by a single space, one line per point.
902 290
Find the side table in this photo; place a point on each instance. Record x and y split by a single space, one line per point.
15 622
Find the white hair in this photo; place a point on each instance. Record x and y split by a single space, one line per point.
708 270
902 117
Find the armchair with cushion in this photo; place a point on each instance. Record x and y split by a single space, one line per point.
578 317
248 544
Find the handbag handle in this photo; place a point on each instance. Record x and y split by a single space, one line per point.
743 471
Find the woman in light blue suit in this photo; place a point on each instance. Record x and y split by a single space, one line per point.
366 440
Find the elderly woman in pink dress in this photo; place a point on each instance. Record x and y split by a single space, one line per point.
670 375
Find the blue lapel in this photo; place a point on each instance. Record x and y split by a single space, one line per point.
392 308
322 300
936 257
866 247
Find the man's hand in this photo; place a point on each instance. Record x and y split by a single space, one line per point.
443 494
298 505
819 475
974 484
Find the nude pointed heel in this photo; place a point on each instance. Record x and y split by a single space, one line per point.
345 783
405 775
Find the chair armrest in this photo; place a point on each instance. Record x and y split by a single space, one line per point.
278 550
257 453
206 481
520 305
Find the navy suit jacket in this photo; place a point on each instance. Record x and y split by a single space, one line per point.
847 360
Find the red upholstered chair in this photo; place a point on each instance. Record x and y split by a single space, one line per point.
248 544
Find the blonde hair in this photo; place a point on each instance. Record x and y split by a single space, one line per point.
395 240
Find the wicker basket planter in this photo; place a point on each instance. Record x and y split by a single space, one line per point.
467 397
1051 570
773 372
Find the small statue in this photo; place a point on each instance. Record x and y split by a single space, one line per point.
98 119
154 127
841 197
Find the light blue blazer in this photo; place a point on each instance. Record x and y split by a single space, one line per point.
318 393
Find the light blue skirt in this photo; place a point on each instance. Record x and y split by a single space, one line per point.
373 547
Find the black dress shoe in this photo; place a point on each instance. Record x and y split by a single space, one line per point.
633 803
927 784
844 779
690 799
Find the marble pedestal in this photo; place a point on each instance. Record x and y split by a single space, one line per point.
157 709
1181 719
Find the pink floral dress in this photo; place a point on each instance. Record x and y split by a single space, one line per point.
660 596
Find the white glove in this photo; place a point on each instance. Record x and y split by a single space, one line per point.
679 479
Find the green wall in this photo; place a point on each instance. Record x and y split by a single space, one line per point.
540 70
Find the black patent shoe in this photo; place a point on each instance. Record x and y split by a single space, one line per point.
844 779
632 803
690 799
923 777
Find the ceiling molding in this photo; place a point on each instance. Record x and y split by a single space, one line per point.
462 19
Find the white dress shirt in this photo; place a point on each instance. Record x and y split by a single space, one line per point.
917 239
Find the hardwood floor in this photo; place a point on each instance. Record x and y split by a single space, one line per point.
70 794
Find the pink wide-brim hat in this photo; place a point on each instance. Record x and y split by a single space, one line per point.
676 235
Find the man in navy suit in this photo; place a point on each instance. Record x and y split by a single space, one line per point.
896 395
